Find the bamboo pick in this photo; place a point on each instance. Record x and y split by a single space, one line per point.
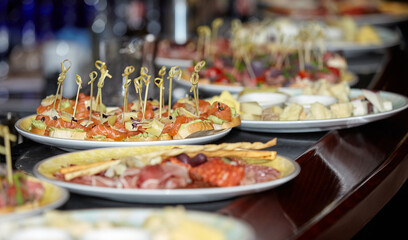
146 80
216 24
127 82
200 43
174 72
78 81
93 75
104 73
61 78
247 61
159 83
138 88
205 32
5 132
194 81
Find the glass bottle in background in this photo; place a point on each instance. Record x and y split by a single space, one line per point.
4 41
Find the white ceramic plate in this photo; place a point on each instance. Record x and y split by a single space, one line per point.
131 218
151 195
389 38
72 144
215 89
399 103
55 197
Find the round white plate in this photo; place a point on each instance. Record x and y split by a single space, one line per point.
231 228
72 144
56 197
399 103
166 196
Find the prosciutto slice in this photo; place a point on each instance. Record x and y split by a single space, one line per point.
163 176
259 173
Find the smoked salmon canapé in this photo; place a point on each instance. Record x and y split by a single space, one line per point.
146 121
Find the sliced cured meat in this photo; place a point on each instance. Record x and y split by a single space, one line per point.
163 176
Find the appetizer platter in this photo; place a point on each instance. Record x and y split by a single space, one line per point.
87 123
254 57
22 195
364 12
35 197
320 108
170 174
338 34
142 224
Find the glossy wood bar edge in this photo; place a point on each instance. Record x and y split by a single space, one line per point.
345 180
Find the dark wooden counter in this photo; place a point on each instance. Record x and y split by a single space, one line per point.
346 178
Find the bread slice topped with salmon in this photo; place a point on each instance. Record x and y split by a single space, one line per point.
143 119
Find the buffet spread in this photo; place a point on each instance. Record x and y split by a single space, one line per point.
160 150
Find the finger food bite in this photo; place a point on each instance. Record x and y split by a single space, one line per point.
87 118
23 193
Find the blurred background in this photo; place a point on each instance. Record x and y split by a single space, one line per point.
37 35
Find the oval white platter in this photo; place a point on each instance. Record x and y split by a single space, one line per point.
399 103
72 144
154 195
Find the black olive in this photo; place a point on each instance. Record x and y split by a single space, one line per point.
198 159
43 119
184 158
88 108
170 117
55 118
104 115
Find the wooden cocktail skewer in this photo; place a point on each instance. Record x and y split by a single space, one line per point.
61 78
78 81
104 73
127 82
6 150
300 40
194 81
159 83
146 81
138 87
200 44
216 24
320 42
174 72
93 75
205 34
247 61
